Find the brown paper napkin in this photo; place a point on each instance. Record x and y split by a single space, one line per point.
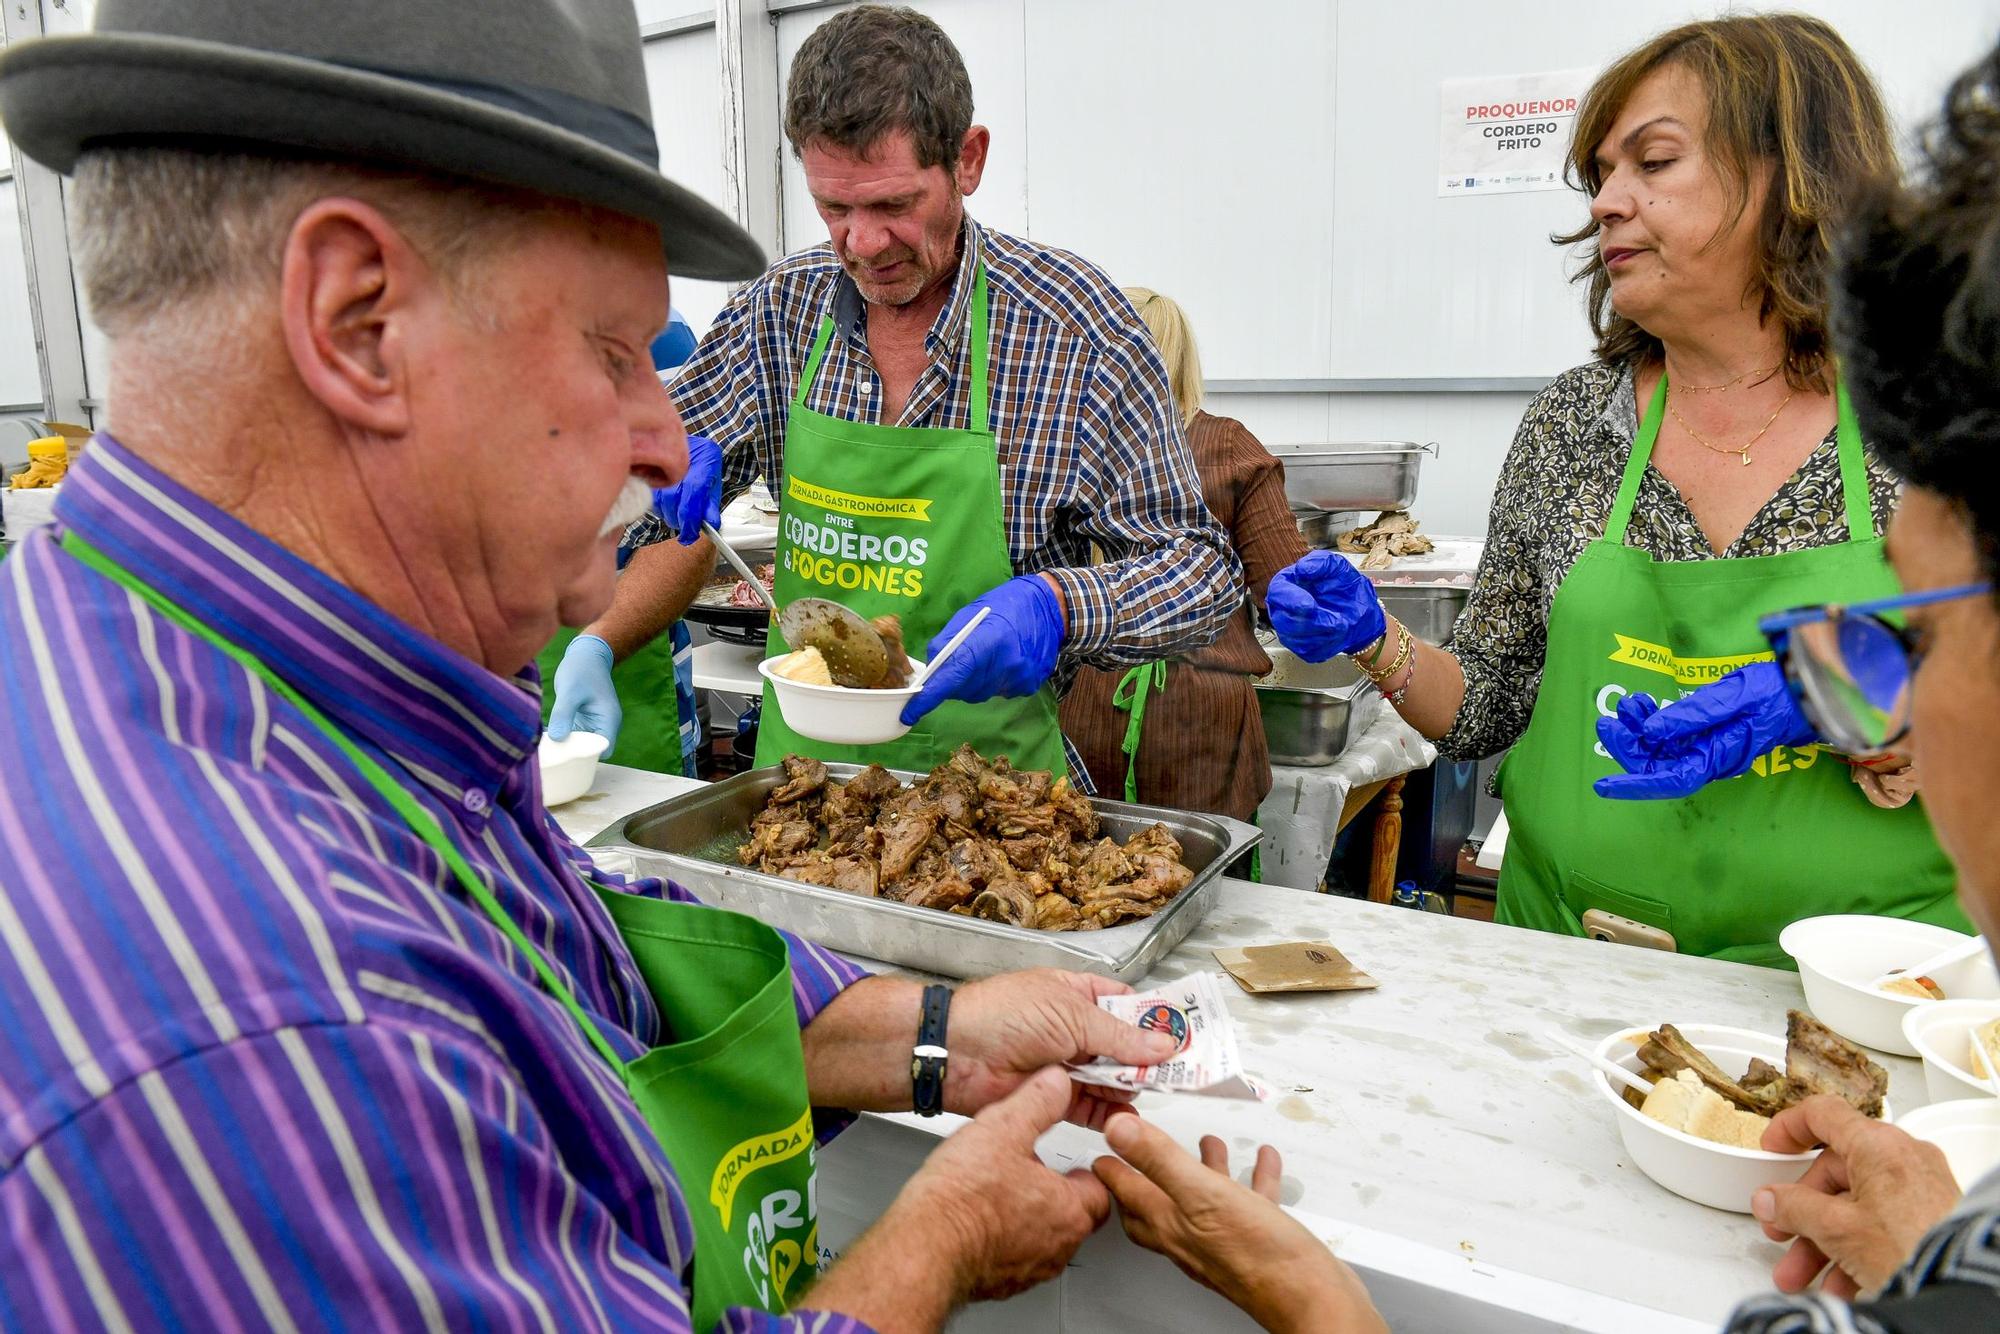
1296 965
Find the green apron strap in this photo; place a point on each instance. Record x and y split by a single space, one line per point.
820 341
421 821
1853 469
981 417
1129 696
1635 467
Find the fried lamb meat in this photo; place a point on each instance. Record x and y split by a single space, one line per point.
905 834
803 777
1666 1053
974 836
1818 1060
775 838
897 675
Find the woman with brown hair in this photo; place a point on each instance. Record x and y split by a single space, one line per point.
1187 733
1703 469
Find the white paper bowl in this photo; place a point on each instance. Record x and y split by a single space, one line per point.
839 715
1839 956
1701 1170
569 765
1941 1034
1968 1132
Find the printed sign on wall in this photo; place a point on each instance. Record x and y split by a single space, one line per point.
1507 134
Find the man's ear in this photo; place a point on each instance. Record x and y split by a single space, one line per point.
350 290
972 159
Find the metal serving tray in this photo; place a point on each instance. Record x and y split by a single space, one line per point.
1429 610
1373 475
693 839
1308 707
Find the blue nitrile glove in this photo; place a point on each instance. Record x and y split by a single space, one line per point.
585 697
697 497
1321 605
1011 653
1713 734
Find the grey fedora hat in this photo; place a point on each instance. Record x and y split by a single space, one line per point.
544 95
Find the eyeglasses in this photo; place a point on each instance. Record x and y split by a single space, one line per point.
1850 668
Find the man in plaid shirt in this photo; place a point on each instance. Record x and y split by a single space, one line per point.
1110 556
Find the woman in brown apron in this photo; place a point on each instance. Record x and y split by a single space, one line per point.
1186 733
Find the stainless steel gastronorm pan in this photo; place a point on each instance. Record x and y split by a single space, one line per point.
1377 475
693 839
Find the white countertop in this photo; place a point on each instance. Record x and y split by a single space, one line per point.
1426 1126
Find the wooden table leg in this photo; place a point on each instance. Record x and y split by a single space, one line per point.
1388 841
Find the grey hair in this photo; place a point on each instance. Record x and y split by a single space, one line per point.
871 71
199 234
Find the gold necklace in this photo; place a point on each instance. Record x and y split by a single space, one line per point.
1726 384
1743 453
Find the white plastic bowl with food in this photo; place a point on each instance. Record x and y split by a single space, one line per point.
1718 1175
1967 1131
1839 957
837 714
1941 1035
570 765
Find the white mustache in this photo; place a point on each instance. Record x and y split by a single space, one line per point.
634 499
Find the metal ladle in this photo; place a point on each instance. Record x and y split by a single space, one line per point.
855 655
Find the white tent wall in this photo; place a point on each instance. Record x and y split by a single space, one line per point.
1271 164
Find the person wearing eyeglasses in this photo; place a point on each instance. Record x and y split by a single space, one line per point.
1702 471
1879 1238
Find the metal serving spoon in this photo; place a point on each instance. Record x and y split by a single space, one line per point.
855 655
742 567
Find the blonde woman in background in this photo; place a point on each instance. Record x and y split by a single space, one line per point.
1186 732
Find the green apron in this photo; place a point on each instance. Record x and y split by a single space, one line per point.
907 520
1725 870
650 737
726 1099
1129 697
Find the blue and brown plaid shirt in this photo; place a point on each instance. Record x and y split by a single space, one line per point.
1091 450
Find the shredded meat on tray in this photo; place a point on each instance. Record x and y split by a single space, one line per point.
974 837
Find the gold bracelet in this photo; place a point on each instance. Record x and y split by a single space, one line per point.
1406 650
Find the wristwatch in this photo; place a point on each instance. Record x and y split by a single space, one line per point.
928 1057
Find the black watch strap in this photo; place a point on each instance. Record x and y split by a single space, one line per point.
927 1060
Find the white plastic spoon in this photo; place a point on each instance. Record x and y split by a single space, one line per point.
951 646
1944 958
1609 1067
1986 1076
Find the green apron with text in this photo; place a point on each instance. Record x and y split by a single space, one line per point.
907 520
650 736
725 1096
1725 870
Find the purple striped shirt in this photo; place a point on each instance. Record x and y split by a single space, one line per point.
265 1065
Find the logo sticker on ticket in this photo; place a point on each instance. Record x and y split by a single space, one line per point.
1192 1010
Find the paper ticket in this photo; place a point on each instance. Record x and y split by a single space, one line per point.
1192 1010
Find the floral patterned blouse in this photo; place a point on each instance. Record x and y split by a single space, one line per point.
1554 497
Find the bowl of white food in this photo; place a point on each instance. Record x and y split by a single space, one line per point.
569 765
840 714
1839 958
1719 1175
1941 1035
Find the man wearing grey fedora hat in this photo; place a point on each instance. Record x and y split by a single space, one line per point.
315 1019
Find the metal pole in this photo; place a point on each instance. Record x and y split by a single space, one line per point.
52 303
752 135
